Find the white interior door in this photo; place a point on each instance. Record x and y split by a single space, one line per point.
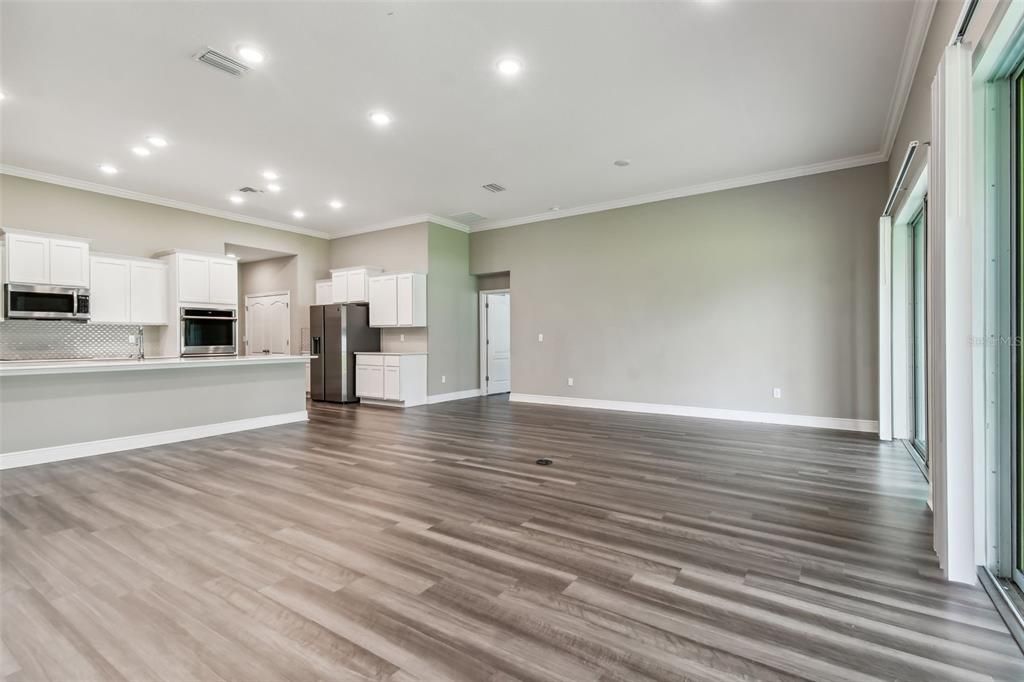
499 348
267 324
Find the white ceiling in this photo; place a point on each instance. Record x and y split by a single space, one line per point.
690 92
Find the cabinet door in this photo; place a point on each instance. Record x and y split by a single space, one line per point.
224 281
110 291
356 286
325 292
69 263
339 283
193 279
392 383
369 381
404 300
28 259
148 293
383 301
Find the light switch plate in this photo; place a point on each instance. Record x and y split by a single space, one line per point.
570 381
443 378
540 337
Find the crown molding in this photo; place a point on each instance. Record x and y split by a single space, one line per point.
691 190
109 190
920 21
402 222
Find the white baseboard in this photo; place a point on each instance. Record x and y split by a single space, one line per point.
864 425
21 458
457 395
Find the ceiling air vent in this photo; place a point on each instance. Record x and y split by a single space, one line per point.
219 60
250 189
468 218
493 187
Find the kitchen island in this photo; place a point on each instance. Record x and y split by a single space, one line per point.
61 409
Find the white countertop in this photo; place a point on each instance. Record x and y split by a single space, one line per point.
35 367
358 352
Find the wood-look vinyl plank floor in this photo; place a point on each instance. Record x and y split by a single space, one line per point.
426 544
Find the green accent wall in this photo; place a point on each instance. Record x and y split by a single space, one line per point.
452 313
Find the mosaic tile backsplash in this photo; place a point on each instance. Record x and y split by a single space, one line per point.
59 340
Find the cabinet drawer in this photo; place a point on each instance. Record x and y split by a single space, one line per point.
392 360
367 360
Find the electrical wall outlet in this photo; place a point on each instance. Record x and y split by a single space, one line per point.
443 378
776 392
540 337
131 338
570 381
401 337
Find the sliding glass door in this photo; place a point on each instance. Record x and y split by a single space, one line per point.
919 418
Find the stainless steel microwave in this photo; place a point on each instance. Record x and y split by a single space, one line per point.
46 302
209 331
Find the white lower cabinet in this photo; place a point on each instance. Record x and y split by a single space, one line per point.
398 379
128 291
369 377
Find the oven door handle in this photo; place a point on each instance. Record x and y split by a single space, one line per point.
214 319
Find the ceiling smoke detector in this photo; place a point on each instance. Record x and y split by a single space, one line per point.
493 187
219 60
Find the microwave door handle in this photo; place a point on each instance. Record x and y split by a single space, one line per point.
74 304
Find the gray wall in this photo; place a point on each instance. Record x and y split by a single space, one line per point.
135 228
706 301
451 313
916 123
400 249
265 276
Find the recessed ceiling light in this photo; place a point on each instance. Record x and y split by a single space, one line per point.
556 208
108 168
230 255
380 118
300 214
2 97
270 175
273 187
335 204
509 66
157 141
250 54
235 199
140 151
622 163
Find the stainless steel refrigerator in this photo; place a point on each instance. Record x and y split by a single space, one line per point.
337 332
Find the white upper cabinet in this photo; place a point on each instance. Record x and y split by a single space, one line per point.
200 279
324 291
339 287
148 292
350 285
110 293
38 259
28 259
398 300
193 278
384 301
126 290
224 281
69 263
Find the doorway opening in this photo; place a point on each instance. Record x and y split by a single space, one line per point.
267 323
495 341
